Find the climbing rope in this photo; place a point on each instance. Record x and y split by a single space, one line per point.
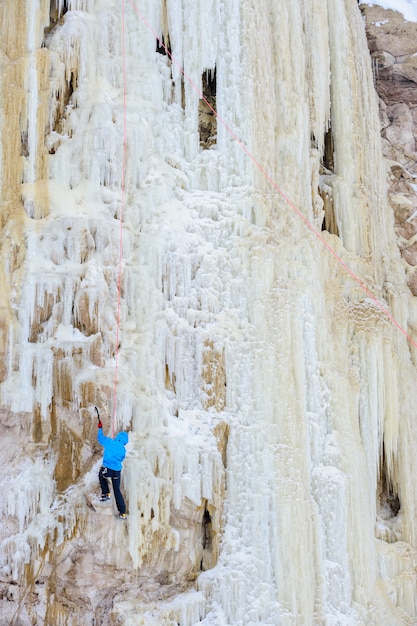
121 216
309 225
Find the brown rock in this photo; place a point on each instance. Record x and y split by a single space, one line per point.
400 132
410 254
393 44
412 283
387 31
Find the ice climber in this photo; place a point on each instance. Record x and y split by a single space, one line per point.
114 454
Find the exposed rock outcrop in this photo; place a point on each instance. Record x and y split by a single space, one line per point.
393 47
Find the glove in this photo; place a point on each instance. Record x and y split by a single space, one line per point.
100 425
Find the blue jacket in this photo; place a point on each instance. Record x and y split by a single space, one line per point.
114 449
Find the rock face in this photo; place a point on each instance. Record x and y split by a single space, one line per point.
393 48
229 290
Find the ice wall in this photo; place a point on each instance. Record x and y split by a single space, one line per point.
268 398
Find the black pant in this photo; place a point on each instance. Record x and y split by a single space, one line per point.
103 475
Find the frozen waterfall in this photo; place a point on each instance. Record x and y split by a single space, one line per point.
269 400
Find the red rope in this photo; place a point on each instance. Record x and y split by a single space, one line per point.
123 182
309 225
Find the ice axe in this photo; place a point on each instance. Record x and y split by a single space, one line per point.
100 425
